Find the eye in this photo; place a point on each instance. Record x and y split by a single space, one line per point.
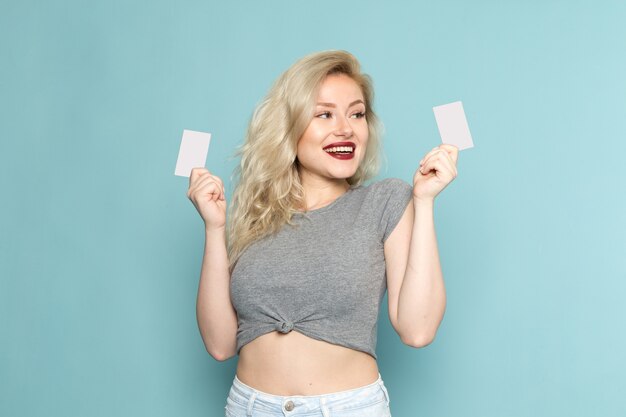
324 115
359 115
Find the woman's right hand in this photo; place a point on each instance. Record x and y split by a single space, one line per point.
206 192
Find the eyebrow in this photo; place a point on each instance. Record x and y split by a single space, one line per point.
333 105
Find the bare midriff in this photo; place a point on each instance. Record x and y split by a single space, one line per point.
295 364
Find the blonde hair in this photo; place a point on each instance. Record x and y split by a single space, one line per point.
269 190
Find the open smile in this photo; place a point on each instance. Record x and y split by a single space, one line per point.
340 150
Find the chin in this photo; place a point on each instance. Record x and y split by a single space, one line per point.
343 174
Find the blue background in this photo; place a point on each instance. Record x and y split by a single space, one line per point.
101 250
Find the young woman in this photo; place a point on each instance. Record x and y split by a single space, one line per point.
294 283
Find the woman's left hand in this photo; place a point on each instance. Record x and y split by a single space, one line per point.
437 169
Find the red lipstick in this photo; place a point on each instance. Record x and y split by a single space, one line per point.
340 153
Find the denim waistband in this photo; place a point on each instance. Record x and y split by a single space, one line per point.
251 398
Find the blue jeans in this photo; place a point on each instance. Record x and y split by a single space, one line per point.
369 401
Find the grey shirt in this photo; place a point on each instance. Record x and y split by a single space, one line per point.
324 277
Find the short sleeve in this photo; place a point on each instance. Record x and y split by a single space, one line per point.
395 197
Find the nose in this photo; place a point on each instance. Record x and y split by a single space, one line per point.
344 128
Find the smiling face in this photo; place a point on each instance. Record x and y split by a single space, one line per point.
333 145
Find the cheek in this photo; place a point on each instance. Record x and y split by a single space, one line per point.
364 137
314 133
364 132
309 136
305 149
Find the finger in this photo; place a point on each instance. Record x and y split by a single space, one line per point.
218 180
439 164
209 185
435 169
212 178
213 193
196 180
220 189
451 150
433 150
447 159
432 154
196 173
206 188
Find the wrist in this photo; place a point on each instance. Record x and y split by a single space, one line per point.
423 202
212 230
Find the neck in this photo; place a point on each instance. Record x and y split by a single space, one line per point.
319 192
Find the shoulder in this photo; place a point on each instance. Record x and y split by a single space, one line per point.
386 194
388 186
389 198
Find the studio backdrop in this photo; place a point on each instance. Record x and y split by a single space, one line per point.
100 249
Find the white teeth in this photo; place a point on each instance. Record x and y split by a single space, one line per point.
340 149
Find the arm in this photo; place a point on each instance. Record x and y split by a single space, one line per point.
217 319
417 297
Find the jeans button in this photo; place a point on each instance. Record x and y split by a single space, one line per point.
289 405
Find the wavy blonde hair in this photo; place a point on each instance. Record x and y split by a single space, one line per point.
268 189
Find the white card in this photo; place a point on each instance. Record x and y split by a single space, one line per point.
452 125
194 148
